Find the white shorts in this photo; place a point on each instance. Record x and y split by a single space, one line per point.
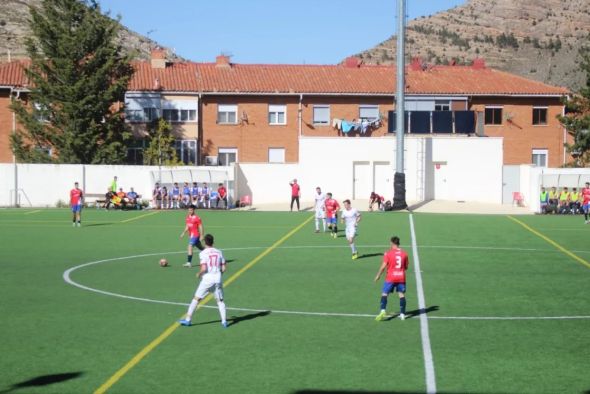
350 232
320 214
206 286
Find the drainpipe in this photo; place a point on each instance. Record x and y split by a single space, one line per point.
299 114
564 135
12 98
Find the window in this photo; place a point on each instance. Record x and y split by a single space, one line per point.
135 152
41 112
540 157
442 105
369 112
141 107
186 151
321 114
227 156
539 115
227 114
493 115
277 114
276 155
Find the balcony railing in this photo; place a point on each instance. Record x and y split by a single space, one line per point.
436 122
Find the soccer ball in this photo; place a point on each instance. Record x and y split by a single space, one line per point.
163 263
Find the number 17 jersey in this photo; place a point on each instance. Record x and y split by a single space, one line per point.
212 258
397 264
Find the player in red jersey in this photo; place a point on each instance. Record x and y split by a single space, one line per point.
395 260
332 208
586 202
295 193
76 197
194 226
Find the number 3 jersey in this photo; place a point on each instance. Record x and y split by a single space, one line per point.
397 264
213 259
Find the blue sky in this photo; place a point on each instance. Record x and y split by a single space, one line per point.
269 31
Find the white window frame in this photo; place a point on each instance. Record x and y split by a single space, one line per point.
546 116
221 151
501 108
224 111
443 105
540 153
276 155
368 107
317 121
141 108
179 111
274 114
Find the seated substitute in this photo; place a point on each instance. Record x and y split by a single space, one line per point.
375 199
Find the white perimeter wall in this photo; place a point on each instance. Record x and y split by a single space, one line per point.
44 184
469 169
473 169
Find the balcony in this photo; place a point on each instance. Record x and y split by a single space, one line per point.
437 122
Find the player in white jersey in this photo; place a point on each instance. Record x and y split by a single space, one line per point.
212 266
320 214
351 217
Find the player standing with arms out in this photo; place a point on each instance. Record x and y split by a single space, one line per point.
395 260
351 217
586 202
76 197
194 226
332 208
212 266
320 209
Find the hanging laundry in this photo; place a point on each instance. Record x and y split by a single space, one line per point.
337 123
347 126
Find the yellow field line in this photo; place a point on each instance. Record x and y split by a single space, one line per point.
146 350
139 217
552 242
30 212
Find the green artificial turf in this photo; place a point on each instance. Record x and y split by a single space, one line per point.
301 317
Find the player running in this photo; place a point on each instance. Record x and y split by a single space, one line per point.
332 207
76 197
320 209
351 217
395 260
586 202
194 226
212 266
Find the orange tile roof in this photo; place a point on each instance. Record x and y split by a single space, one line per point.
12 74
318 79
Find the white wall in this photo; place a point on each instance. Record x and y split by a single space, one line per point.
44 184
473 172
532 178
474 168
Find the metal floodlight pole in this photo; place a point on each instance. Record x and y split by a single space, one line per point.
399 182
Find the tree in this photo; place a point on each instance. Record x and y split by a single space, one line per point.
161 150
577 119
78 76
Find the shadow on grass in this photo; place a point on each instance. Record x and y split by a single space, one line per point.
418 312
43 380
235 319
367 255
315 391
98 224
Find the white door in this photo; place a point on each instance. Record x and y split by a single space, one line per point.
441 186
382 179
361 174
510 182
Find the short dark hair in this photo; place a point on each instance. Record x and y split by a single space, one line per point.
329 194
192 206
346 201
208 238
395 240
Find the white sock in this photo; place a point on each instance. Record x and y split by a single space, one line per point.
353 248
191 309
221 306
317 224
324 223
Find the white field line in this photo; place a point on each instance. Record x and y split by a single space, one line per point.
426 349
69 280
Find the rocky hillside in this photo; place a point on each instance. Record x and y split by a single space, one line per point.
537 39
14 27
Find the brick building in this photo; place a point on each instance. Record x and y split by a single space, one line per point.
223 112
